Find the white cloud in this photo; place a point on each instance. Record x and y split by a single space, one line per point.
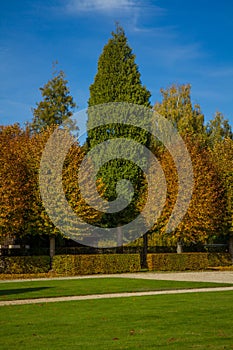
135 11
80 6
220 72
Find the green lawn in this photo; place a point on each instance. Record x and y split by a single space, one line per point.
184 321
53 288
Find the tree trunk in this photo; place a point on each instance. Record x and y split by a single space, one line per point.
179 248
144 251
119 239
51 248
231 246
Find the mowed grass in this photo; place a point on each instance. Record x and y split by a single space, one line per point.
56 288
182 321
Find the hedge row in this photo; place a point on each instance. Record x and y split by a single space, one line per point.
92 264
111 263
24 264
187 261
219 259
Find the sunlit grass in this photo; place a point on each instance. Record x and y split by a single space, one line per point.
57 288
184 321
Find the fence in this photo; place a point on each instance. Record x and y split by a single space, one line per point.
77 250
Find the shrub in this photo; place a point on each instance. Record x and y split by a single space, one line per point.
186 261
219 259
96 263
24 264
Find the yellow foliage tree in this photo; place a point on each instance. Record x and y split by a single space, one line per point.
22 209
15 181
177 107
222 157
204 216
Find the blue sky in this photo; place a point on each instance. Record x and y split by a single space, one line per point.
174 42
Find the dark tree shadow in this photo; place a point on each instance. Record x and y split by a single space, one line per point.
21 291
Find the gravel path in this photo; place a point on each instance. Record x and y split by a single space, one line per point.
206 276
221 277
112 295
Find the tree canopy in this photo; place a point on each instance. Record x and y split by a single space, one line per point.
118 82
177 107
57 105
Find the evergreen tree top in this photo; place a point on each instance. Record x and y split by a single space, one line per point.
56 106
118 78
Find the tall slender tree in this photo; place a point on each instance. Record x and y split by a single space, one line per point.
117 80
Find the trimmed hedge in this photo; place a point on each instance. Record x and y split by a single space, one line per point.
187 261
219 259
97 263
72 265
24 264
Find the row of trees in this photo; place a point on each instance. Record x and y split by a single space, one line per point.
210 213
22 211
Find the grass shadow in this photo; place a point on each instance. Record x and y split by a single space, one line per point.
21 290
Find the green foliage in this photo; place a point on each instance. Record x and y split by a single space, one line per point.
186 261
72 265
118 77
57 104
117 80
24 264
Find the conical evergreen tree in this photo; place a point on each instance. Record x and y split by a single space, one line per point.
118 80
57 105
118 77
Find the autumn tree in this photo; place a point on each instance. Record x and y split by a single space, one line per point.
205 214
218 129
41 221
16 185
222 158
219 139
177 107
22 210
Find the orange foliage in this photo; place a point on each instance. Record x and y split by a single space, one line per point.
22 211
205 214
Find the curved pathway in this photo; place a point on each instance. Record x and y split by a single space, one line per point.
200 276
